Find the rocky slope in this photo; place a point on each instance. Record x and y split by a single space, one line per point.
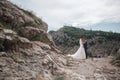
91 69
16 17
27 51
21 59
100 43
23 22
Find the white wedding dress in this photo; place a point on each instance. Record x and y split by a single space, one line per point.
80 54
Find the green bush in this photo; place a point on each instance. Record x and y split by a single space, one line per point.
59 78
116 60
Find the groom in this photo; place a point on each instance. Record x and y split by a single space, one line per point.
85 46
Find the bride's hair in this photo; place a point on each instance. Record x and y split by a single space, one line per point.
83 40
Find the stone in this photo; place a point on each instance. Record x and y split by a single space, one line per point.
10 41
36 34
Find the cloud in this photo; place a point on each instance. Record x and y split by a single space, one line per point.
75 12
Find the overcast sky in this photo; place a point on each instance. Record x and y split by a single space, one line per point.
74 12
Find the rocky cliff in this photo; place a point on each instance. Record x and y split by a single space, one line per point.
27 51
15 17
23 22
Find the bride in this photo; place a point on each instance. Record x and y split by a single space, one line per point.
80 54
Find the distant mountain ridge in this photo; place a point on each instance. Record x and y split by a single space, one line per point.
103 26
100 43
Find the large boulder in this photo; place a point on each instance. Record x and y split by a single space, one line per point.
36 34
9 40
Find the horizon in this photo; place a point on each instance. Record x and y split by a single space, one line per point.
86 29
97 28
78 13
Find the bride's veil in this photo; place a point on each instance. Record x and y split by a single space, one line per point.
80 41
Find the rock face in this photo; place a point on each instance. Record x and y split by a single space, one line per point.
37 34
25 60
19 20
100 43
27 52
11 41
17 17
22 59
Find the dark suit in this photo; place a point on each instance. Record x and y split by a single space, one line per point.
85 47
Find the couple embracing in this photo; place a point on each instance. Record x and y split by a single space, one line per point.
82 51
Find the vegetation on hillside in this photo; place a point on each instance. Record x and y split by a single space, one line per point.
116 60
76 33
100 43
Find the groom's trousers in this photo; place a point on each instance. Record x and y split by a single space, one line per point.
85 47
